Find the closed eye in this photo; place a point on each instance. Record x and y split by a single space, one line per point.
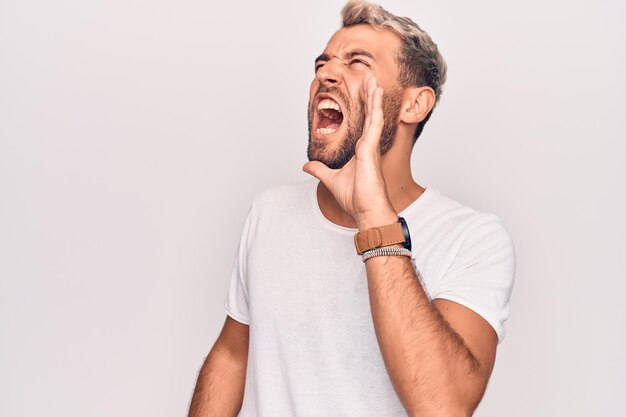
359 61
352 61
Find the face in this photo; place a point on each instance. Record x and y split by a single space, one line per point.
336 112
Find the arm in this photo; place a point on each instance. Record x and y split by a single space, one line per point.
219 390
438 354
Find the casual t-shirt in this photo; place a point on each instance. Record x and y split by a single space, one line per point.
300 286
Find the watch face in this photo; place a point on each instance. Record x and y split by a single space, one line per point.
405 230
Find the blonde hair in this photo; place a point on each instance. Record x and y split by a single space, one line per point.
419 60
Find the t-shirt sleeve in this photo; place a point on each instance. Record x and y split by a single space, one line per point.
236 302
482 273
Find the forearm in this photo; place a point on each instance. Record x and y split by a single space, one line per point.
430 366
220 386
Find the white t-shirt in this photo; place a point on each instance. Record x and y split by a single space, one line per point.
300 286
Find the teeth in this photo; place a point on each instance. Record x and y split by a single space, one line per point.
325 130
328 104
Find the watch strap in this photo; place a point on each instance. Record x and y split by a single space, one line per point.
378 237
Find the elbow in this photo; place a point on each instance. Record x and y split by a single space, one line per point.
469 391
461 410
461 401
447 411
467 397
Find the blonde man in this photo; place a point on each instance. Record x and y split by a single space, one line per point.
409 327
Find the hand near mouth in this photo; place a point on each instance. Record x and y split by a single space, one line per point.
359 186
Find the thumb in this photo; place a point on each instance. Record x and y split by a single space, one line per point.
319 171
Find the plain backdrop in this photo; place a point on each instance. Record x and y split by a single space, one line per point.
134 135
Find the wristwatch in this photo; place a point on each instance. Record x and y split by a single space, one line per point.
378 237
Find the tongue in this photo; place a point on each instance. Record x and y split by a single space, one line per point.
329 123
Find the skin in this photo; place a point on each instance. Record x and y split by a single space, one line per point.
400 187
336 154
220 385
438 354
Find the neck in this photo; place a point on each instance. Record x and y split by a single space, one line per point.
402 190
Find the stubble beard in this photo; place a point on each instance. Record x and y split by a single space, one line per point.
344 151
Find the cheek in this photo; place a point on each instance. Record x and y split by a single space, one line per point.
355 87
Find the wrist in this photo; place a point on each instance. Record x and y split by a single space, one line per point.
376 218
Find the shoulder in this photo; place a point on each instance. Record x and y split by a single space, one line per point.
481 235
465 228
447 210
478 267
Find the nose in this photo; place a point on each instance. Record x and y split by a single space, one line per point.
329 74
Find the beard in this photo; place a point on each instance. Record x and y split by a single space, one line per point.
335 155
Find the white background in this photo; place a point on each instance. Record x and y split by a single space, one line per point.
134 134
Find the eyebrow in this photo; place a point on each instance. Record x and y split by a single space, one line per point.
347 55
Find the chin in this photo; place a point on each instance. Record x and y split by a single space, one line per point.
334 157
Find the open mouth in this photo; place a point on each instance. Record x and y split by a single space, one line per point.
330 116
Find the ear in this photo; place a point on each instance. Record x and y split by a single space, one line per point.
416 104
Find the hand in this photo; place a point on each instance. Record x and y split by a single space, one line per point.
359 186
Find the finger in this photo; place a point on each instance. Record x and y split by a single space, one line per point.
363 90
319 171
365 100
368 87
374 129
371 87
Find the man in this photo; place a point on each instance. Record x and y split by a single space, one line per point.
407 328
